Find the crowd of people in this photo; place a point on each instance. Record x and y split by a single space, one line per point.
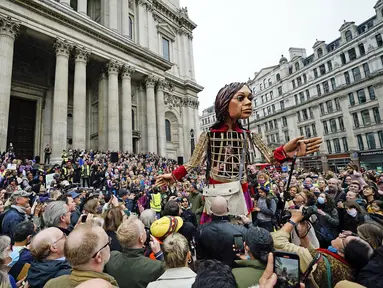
90 222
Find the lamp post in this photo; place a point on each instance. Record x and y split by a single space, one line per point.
192 140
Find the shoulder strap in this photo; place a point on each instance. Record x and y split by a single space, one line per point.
329 272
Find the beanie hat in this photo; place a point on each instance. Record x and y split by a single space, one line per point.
260 242
165 226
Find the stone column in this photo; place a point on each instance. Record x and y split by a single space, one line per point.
181 60
126 103
142 23
141 117
125 18
113 108
60 100
82 7
8 31
79 98
113 15
181 140
186 129
161 118
150 114
103 112
191 116
197 123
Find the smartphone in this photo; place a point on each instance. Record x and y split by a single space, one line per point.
239 243
83 218
286 266
309 269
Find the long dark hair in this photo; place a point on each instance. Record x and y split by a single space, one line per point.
222 100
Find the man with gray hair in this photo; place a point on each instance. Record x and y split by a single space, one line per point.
57 214
147 217
334 190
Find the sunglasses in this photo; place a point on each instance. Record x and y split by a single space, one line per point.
107 244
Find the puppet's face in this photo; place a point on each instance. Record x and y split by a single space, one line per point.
240 104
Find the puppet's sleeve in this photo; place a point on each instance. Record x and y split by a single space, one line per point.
273 157
195 160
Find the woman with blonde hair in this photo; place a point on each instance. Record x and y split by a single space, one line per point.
177 256
112 220
5 259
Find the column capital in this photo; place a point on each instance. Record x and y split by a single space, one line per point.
9 26
81 53
113 67
161 84
127 71
63 47
150 81
146 3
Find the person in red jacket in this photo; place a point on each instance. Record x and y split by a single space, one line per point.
225 148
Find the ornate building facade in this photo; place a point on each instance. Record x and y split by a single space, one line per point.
335 93
97 74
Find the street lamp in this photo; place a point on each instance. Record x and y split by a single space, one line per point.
192 140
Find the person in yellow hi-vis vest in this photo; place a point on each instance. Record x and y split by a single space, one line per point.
155 202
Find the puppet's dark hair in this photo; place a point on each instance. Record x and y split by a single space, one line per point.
222 100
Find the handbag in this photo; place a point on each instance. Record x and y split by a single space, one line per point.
231 191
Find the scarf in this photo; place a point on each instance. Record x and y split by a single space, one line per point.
336 256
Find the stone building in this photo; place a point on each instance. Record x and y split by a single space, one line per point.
207 119
335 93
97 74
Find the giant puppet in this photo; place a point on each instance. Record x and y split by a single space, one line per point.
225 152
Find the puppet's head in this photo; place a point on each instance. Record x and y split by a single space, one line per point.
234 101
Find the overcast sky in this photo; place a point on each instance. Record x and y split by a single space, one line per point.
234 39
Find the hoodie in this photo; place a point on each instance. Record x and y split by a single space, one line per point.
41 272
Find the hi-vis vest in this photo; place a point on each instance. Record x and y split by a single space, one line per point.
155 202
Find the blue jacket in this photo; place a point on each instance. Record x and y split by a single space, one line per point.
11 218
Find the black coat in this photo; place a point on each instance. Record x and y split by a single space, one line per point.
215 240
371 275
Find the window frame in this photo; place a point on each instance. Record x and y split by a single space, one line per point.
168 126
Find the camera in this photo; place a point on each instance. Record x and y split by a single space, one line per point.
307 212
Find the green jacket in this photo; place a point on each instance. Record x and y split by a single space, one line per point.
197 203
77 277
132 269
248 272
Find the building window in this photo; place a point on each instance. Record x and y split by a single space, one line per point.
380 135
371 141
296 66
264 112
304 113
329 65
361 96
268 110
325 127
376 113
299 116
371 91
329 106
308 131
282 103
273 108
287 137
269 81
352 54
271 125
333 84
296 99
379 40
259 129
263 99
345 144
322 69
321 106
337 104
278 77
366 117
266 127
257 115
131 27
356 73
328 142
356 119
307 94
351 99
314 128
347 77
320 52
326 88
260 87
361 49
333 125
348 35
280 91
284 121
343 58
299 81
341 124
293 84
271 95
366 69
302 97
166 49
336 145
304 78
301 131
275 123
319 90
311 113
168 130
360 142
315 73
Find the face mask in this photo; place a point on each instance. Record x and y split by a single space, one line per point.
332 249
352 212
261 181
320 200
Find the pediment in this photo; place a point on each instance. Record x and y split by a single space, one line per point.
167 31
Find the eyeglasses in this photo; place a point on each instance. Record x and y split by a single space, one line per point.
107 244
62 237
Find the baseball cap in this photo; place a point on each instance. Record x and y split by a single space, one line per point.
73 194
20 193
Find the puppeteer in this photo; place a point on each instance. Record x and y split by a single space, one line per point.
225 152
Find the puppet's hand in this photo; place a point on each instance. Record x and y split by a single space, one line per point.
302 147
165 179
